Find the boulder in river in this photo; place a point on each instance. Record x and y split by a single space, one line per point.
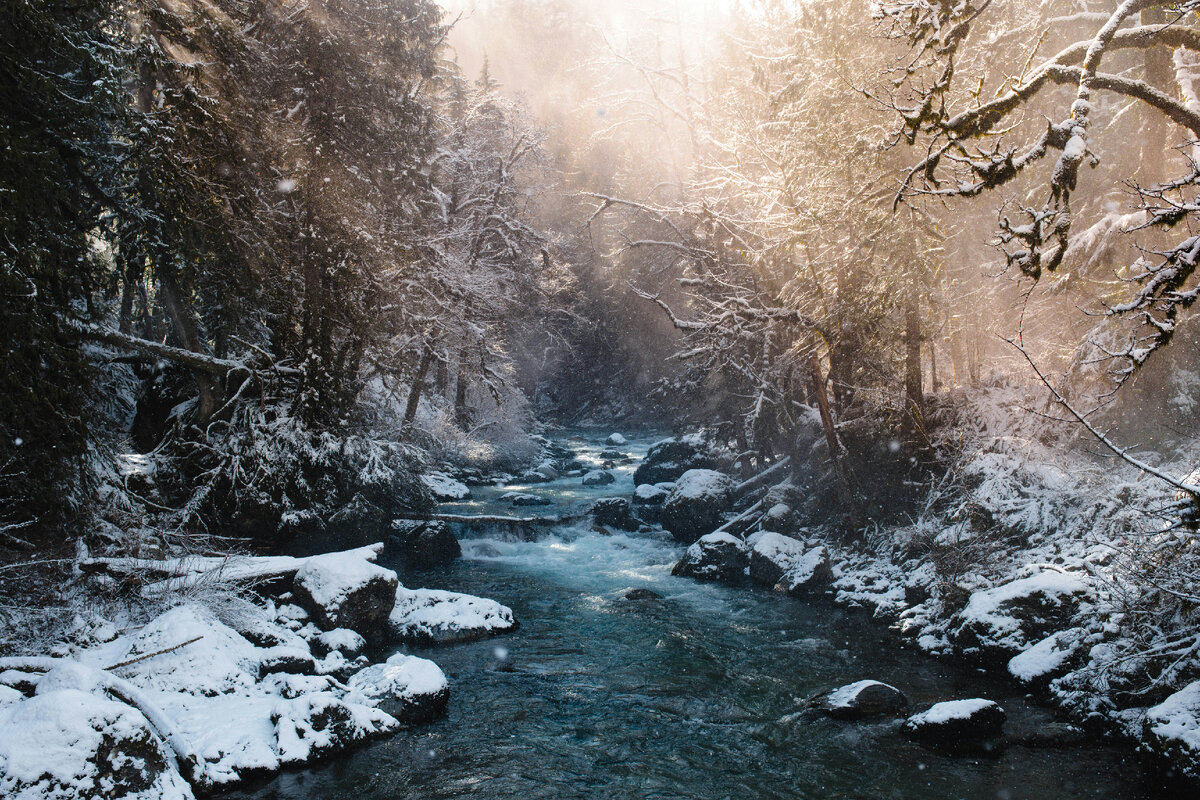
431 616
957 725
615 513
344 590
716 557
616 440
522 499
411 689
670 458
424 543
694 506
863 699
598 477
642 594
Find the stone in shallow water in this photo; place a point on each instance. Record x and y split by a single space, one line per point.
863 699
957 725
694 506
715 557
598 477
432 616
642 593
522 499
615 513
413 689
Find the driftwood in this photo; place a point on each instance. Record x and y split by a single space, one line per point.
168 575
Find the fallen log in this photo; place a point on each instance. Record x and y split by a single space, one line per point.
763 478
489 519
173 574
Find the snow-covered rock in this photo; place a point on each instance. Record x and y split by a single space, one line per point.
217 661
957 725
670 458
1047 659
424 544
1171 733
446 489
315 725
715 557
598 477
432 616
617 440
415 689
69 743
649 494
1000 622
786 563
544 472
339 640
343 590
863 699
522 499
615 513
694 506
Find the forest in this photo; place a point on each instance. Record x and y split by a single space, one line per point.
813 385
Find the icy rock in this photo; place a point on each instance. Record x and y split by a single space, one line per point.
669 459
1000 622
812 572
344 590
615 513
415 688
431 616
1171 733
72 744
614 455
863 699
715 557
339 640
320 724
695 505
424 544
956 725
617 440
598 477
446 489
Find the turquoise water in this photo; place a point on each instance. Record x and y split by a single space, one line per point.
691 696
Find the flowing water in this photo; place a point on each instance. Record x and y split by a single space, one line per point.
690 696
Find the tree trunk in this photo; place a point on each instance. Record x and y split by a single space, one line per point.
460 390
211 388
414 393
831 440
914 393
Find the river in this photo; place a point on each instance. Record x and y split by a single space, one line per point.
690 696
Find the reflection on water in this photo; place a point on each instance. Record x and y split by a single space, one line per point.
690 696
